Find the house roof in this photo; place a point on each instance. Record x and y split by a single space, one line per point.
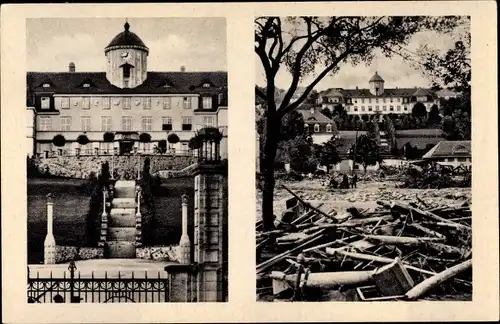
155 83
126 38
445 93
449 149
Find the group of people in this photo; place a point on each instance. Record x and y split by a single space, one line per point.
348 181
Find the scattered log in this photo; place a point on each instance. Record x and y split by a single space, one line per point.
430 283
308 205
403 240
426 230
399 206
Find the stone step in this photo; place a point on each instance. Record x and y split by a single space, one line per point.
121 250
124 189
123 203
122 217
121 234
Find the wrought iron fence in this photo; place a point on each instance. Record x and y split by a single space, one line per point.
104 152
74 289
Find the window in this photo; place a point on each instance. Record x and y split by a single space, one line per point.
186 102
106 102
398 99
65 123
391 108
383 100
206 85
369 100
126 72
329 128
147 103
398 108
126 123
126 103
147 123
362 107
391 99
46 85
316 128
363 100
370 108
64 103
384 108
207 102
86 103
406 107
355 101
377 107
45 103
187 123
105 123
208 121
355 107
376 99
166 103
45 124
166 123
85 123
306 127
86 85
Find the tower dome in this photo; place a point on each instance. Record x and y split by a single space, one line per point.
376 77
126 39
126 57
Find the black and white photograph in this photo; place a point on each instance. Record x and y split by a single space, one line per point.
126 160
364 158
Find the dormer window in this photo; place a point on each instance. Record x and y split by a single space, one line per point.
86 85
45 103
329 128
206 85
46 85
126 72
316 128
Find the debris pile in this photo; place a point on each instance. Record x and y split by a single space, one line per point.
397 251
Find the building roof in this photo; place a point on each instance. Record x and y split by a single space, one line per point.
376 78
155 83
445 149
315 117
365 93
126 38
446 93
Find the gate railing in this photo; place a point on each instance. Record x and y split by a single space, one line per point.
74 289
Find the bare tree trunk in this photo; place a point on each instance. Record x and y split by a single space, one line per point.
270 148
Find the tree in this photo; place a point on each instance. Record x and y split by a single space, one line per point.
312 98
390 131
327 112
82 139
419 110
108 137
161 147
339 111
366 152
434 115
319 43
328 153
59 140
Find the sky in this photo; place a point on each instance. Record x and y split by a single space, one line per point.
395 71
199 44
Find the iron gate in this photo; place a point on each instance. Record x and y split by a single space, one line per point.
97 290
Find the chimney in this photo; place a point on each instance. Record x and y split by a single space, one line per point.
183 68
357 88
71 67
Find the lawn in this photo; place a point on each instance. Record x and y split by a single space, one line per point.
71 206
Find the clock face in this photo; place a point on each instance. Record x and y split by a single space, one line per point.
125 54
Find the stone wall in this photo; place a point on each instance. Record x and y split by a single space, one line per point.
80 167
68 253
158 253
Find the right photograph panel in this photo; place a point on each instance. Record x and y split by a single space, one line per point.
363 128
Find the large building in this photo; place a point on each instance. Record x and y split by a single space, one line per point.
377 99
126 100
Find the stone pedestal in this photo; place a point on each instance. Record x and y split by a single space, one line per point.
49 245
182 282
185 243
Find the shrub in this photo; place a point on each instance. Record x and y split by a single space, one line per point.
173 138
145 138
162 146
108 137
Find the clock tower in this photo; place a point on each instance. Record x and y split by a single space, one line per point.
126 57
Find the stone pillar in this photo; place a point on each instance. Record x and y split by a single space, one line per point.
185 244
50 242
209 219
104 197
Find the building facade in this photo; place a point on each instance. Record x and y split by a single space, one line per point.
318 125
377 99
451 153
127 101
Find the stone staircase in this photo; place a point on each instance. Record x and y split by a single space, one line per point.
121 240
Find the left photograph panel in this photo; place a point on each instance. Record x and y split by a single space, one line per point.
127 160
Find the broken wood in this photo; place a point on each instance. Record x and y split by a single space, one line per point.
430 283
402 239
426 230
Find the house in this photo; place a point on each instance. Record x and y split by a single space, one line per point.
320 127
126 100
377 99
452 153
